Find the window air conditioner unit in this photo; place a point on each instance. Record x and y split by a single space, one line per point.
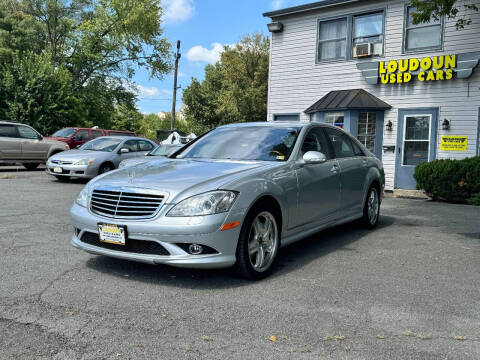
363 50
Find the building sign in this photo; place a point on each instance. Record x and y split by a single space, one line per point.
426 69
454 143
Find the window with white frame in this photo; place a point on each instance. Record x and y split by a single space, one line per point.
367 129
424 35
332 39
367 35
334 118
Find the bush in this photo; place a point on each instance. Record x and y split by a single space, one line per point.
450 180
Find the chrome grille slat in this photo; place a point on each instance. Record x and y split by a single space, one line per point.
125 204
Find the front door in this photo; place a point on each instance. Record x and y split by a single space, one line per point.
416 143
318 184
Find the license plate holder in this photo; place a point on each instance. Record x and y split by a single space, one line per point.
57 169
112 234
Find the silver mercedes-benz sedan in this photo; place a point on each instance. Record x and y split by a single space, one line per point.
97 156
231 197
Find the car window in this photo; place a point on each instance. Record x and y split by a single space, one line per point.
144 145
7 130
101 144
131 145
27 133
266 143
82 135
96 133
342 145
315 141
356 149
64 132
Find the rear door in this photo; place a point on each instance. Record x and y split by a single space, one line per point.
353 170
10 142
318 184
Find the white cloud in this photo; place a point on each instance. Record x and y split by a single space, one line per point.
152 92
201 54
277 4
177 11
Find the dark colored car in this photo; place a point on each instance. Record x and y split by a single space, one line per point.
75 136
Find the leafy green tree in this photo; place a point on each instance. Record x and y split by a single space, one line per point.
234 89
426 9
36 93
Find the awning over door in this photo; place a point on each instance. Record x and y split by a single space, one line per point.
356 99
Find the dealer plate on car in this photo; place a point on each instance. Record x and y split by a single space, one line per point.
57 169
113 234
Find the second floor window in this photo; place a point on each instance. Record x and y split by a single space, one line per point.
368 33
332 39
424 35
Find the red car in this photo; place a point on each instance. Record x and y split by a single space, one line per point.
75 137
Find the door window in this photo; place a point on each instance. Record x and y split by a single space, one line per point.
82 135
144 145
366 129
416 139
27 133
96 133
342 145
315 141
7 130
131 145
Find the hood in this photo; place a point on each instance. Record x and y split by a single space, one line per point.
78 155
178 176
141 160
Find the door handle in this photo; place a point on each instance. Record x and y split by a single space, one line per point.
364 162
334 168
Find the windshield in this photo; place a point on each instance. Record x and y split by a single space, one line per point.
163 150
244 143
64 133
103 144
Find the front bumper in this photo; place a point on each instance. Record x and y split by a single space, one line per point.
80 171
168 232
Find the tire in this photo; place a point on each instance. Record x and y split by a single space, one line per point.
62 178
256 265
371 209
31 166
105 168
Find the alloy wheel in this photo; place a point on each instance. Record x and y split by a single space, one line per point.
263 241
373 206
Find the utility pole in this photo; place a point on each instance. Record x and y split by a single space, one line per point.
177 57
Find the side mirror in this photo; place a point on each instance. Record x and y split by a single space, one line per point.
39 137
123 151
314 157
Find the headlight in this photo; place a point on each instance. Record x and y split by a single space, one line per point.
84 162
213 202
82 198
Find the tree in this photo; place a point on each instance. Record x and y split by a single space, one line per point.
426 9
234 89
93 46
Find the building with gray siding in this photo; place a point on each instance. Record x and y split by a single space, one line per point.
410 93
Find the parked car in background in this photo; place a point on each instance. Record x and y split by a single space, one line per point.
159 152
20 143
75 137
231 197
97 156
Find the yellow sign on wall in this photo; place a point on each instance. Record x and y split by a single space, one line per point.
425 69
454 142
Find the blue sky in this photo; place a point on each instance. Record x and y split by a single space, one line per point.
203 26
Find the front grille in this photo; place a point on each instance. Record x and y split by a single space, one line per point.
131 245
60 162
125 204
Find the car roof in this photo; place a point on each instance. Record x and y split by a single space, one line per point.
122 137
268 124
11 122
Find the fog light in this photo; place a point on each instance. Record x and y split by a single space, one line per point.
195 249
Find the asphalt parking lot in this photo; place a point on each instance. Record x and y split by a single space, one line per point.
407 290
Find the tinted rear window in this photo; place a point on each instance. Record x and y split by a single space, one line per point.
7 130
